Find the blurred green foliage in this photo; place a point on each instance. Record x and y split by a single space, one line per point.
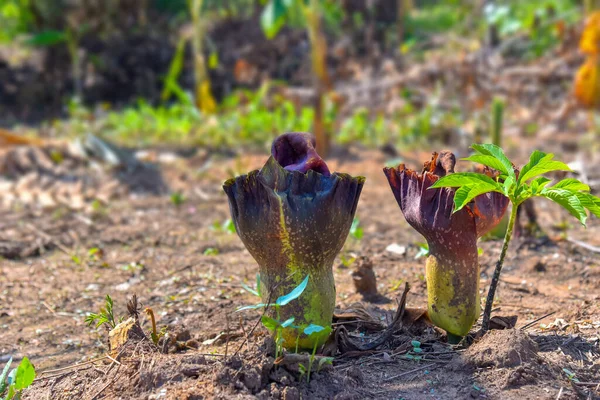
249 118
255 117
246 117
15 18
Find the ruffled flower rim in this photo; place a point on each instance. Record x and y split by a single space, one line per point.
487 210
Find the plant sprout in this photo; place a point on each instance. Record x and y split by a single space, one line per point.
13 383
569 193
105 316
320 334
275 325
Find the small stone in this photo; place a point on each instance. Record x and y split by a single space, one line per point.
396 249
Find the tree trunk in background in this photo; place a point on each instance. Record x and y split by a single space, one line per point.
320 75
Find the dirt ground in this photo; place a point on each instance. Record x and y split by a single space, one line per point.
153 248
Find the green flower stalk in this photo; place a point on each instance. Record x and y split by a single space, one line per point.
293 216
452 268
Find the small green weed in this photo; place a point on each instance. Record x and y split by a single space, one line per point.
13 383
105 316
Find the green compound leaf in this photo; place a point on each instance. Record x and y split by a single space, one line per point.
294 294
592 203
571 184
568 200
540 163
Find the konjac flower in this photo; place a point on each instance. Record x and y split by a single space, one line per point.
293 216
452 268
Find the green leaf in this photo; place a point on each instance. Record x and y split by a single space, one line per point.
250 290
489 161
571 184
171 79
539 183
269 322
324 361
273 17
355 230
3 376
540 163
466 179
294 294
258 289
507 186
48 38
318 330
25 374
251 307
465 194
423 250
568 200
11 392
592 203
313 328
213 60
497 153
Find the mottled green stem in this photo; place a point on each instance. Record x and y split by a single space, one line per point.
453 284
485 326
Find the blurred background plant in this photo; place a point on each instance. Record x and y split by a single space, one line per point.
238 72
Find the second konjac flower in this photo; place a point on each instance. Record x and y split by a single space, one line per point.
452 267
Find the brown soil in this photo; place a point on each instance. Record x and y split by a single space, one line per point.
151 247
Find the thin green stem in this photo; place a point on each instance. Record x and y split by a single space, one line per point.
497 115
485 326
310 362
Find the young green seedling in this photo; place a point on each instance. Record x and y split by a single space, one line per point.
18 379
570 193
319 335
275 325
105 316
347 257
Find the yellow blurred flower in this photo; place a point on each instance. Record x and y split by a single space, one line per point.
590 38
587 83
